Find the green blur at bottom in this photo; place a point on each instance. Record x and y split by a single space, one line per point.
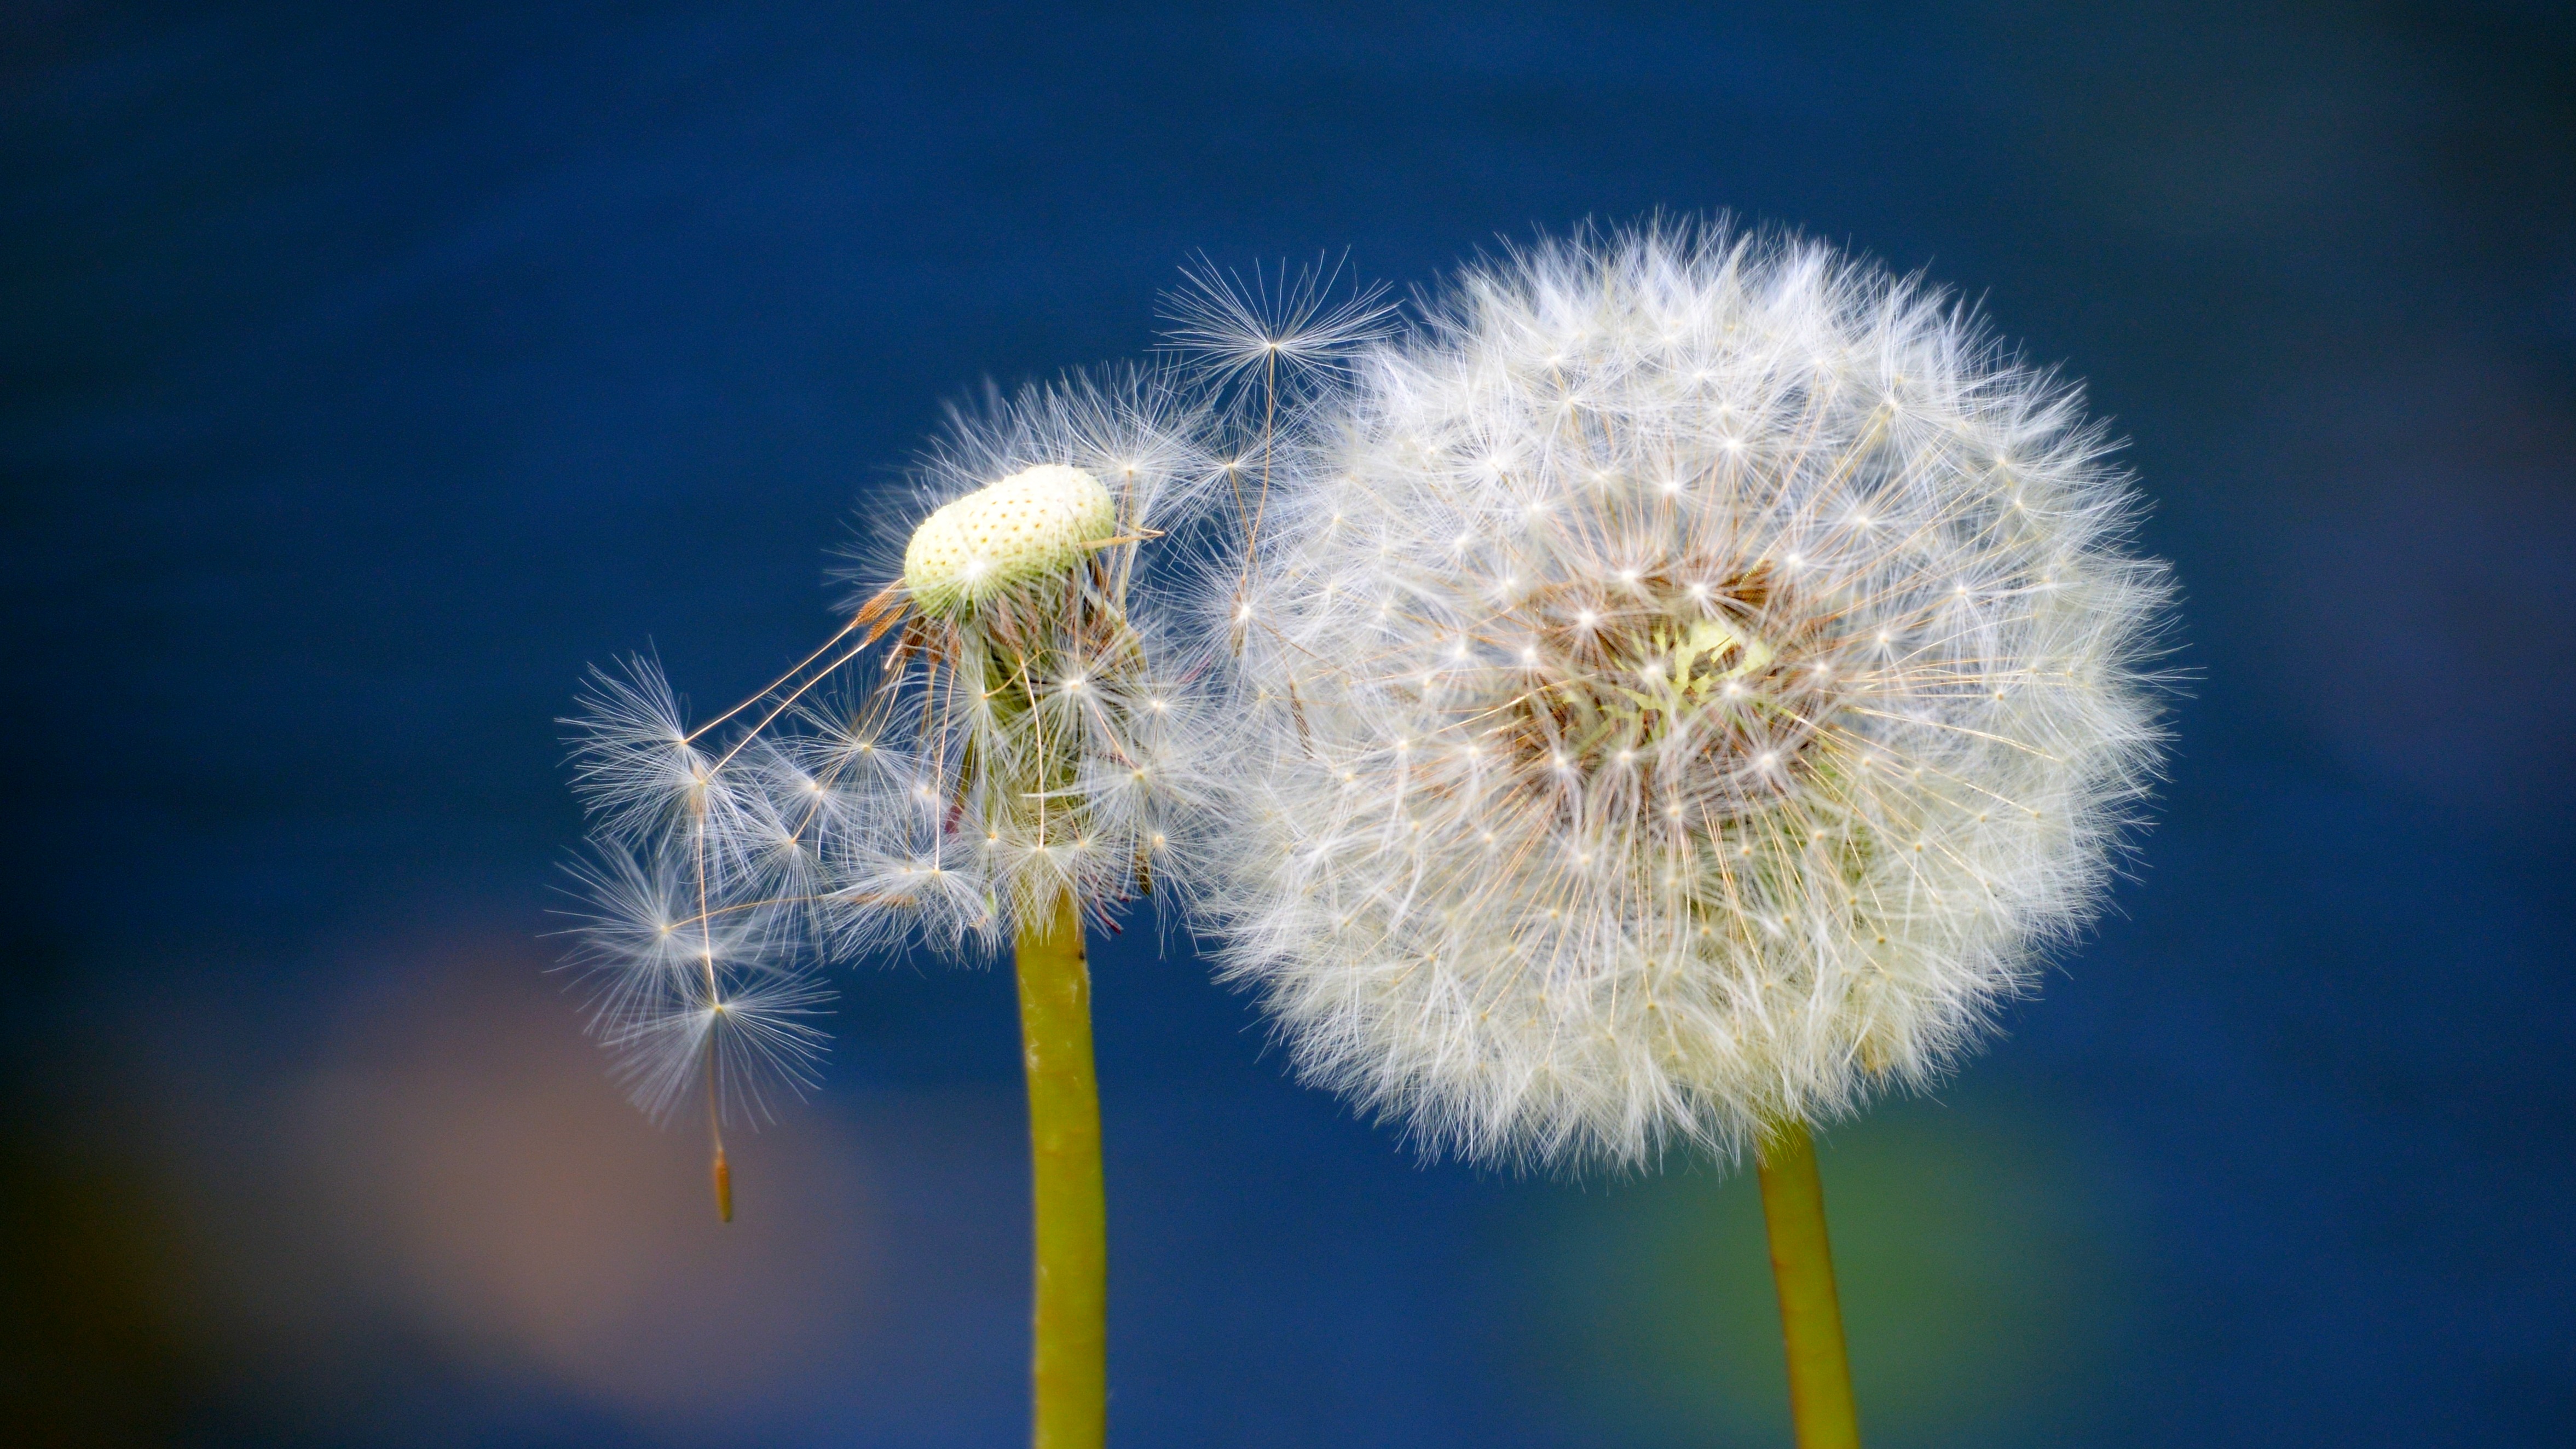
1983 1282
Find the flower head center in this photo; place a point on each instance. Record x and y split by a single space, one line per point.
1701 690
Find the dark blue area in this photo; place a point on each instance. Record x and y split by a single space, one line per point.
367 372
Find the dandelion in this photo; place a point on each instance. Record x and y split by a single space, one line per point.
1698 678
1024 760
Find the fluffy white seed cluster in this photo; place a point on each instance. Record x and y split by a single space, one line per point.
1025 735
1694 679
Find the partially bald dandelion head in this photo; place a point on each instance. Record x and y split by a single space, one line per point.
1065 733
993 728
1699 677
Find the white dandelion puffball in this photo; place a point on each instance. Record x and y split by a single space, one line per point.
1694 680
1032 525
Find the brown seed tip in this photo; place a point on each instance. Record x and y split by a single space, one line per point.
724 1188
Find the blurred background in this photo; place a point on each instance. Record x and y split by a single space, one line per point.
370 370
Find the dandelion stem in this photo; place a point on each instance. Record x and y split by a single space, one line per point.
1802 1266
1068 1370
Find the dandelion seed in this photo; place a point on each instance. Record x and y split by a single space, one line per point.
1235 325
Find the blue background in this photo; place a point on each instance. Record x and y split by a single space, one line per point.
371 370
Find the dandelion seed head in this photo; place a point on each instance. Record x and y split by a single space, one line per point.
1718 784
1031 731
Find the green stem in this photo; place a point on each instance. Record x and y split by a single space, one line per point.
1068 1369
1811 1319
